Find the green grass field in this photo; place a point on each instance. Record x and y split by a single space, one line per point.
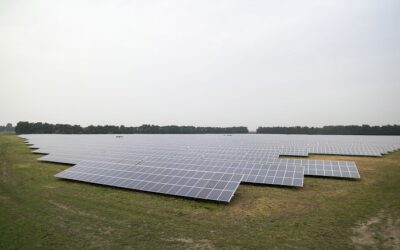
39 211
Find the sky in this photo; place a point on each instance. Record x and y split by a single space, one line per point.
201 63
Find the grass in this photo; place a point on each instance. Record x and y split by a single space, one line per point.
40 211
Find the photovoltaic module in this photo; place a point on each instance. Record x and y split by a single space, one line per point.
207 167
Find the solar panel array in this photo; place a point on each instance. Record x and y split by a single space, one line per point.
203 166
217 186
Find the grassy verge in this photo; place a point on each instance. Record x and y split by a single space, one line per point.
39 211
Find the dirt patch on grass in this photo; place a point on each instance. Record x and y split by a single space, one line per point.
23 166
84 214
6 176
4 198
381 231
62 206
192 244
250 208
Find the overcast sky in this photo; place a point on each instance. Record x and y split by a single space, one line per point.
202 63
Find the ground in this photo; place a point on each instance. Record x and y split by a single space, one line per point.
40 211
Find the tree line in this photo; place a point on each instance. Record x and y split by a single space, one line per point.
7 128
47 128
333 130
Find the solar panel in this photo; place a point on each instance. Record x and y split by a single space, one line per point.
189 183
274 174
326 168
203 166
340 170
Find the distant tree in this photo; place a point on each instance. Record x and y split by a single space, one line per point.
46 128
9 127
23 128
334 130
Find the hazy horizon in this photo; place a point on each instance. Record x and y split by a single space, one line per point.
208 63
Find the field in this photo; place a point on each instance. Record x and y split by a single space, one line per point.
40 211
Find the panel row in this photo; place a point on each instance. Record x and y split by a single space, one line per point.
202 185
